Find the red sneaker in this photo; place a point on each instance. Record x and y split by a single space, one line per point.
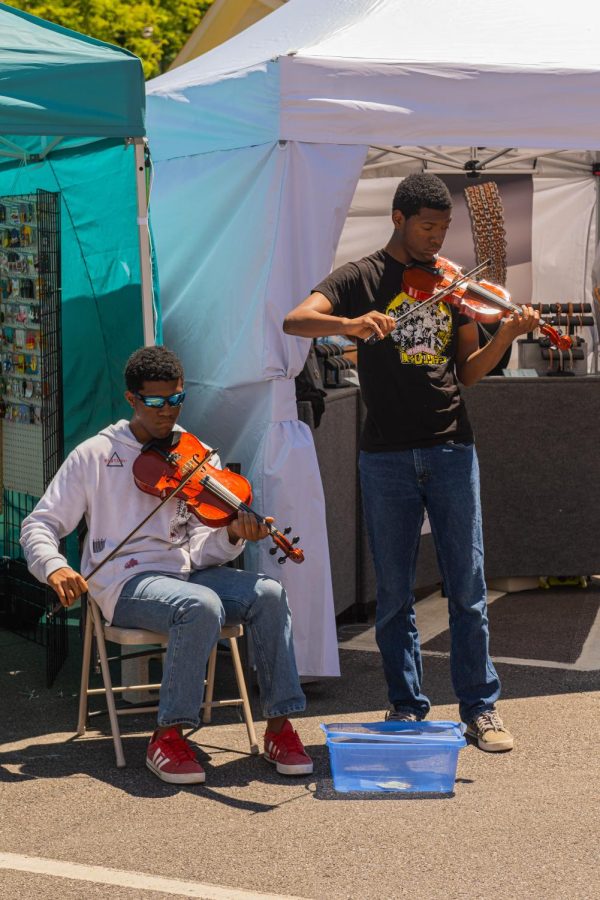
287 752
172 759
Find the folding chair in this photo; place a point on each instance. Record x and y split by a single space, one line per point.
96 627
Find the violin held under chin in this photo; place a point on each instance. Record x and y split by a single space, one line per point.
481 301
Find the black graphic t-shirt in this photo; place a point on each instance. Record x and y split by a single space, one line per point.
408 380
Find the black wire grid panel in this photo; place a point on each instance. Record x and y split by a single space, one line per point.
33 219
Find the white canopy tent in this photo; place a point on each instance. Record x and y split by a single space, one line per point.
259 145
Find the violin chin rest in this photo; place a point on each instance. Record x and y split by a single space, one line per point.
162 445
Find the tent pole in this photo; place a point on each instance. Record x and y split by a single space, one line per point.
144 242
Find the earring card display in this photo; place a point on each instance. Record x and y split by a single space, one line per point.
23 452
31 405
27 282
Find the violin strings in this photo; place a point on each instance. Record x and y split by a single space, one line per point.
443 292
228 497
221 492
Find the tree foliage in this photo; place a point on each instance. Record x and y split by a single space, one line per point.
155 30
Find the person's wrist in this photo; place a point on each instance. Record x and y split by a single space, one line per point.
505 334
55 572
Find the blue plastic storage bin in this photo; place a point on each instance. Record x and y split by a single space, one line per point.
394 756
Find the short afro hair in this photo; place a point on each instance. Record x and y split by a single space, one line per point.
421 189
151 364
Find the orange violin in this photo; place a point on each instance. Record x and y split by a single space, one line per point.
482 300
214 495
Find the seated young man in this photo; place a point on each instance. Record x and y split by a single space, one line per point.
169 577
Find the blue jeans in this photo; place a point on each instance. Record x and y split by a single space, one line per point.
192 613
397 487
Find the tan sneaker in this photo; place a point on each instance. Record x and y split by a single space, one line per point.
489 732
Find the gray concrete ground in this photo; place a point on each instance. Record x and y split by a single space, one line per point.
523 824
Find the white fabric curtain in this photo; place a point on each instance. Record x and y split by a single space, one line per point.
596 286
596 274
234 257
563 241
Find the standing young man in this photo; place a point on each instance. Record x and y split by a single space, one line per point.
169 577
417 450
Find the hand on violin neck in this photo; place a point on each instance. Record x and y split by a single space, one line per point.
247 528
518 323
371 324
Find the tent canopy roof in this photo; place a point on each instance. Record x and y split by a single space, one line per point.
543 35
58 82
508 74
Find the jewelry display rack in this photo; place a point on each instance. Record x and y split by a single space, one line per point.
31 402
572 318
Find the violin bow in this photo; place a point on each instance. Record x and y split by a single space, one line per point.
58 606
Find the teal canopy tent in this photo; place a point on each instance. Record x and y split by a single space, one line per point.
72 122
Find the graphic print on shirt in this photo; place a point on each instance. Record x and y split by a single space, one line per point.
115 461
423 336
178 524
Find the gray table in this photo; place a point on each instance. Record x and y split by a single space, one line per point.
538 441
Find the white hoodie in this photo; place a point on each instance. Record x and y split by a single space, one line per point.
96 482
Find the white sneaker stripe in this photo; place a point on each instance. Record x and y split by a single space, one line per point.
159 759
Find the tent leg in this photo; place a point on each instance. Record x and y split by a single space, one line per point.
144 240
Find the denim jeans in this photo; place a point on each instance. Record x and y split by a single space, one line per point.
192 613
397 487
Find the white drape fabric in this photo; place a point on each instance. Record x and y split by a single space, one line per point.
596 276
234 256
563 242
563 237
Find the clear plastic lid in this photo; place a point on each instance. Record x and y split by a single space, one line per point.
396 732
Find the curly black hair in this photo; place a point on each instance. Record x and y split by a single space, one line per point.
151 364
421 189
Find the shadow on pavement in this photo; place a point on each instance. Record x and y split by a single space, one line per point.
34 711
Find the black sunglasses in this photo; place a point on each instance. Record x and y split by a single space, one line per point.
159 402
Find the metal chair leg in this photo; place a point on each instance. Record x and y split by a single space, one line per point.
85 674
241 682
210 686
110 700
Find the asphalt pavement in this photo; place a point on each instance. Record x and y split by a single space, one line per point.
521 824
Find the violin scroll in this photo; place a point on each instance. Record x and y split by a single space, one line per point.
287 547
560 341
